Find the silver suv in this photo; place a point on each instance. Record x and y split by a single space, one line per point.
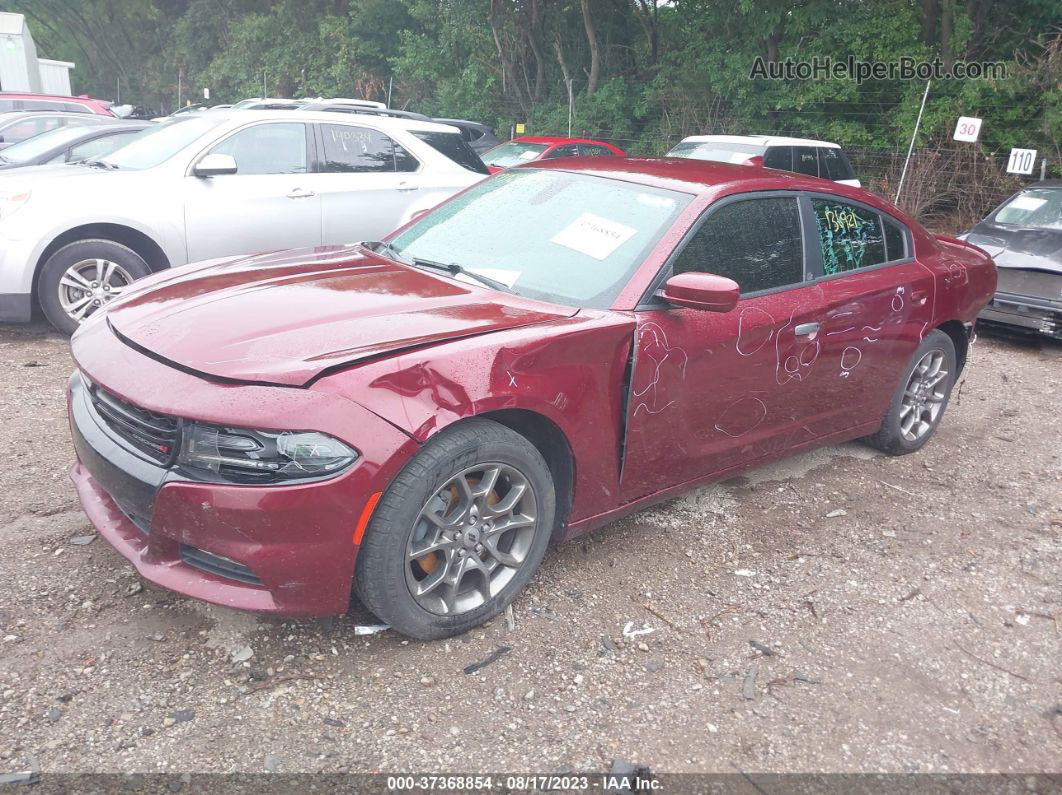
215 184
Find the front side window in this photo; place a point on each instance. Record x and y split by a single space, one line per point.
851 237
569 238
755 242
1040 208
267 149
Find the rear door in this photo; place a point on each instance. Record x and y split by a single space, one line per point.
268 204
879 301
366 181
712 391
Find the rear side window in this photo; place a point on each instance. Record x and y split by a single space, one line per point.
779 157
454 147
360 150
895 240
806 160
851 237
833 165
755 242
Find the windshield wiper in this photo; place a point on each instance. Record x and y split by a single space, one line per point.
99 164
455 270
388 250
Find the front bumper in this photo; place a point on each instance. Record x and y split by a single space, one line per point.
1028 314
286 550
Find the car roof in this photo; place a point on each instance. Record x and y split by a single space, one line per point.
758 140
1044 183
555 139
372 119
701 177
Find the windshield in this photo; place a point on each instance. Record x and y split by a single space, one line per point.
721 153
1040 208
513 154
157 144
25 151
564 237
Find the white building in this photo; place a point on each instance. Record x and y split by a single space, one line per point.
20 68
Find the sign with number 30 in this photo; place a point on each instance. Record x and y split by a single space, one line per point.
967 129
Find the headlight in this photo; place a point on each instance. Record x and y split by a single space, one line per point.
11 202
240 455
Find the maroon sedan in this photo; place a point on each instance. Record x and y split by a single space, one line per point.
520 151
559 345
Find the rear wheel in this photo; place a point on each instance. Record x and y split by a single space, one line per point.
458 533
920 399
83 277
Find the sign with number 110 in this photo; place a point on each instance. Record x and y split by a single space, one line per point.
1021 161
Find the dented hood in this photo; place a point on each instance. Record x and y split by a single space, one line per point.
286 318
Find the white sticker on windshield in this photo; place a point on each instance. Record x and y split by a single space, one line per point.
594 236
1027 203
530 154
506 277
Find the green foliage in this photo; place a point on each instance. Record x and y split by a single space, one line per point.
667 69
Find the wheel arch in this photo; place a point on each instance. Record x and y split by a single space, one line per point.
551 442
959 338
149 250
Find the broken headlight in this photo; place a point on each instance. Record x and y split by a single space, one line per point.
241 455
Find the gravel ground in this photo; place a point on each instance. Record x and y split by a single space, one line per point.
837 611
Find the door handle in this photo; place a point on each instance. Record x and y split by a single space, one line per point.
406 186
805 329
299 193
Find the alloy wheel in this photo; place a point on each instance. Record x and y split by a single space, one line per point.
471 538
89 284
924 396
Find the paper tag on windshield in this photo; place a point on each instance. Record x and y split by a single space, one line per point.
530 154
594 236
1027 203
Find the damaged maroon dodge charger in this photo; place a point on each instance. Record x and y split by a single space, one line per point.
414 420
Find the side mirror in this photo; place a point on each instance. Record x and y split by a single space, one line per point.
214 165
756 161
702 291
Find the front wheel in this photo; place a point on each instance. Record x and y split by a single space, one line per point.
83 277
458 533
920 399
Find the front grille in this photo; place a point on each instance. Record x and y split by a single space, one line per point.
217 565
151 433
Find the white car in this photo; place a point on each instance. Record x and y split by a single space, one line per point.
801 155
212 184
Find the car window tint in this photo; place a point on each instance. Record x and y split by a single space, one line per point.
360 150
454 148
806 160
779 157
832 164
267 149
851 237
895 240
568 150
755 242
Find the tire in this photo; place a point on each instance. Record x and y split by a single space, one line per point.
935 356
65 303
388 569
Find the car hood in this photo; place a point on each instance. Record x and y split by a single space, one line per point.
286 318
1020 247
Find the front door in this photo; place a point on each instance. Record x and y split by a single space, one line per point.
713 391
266 205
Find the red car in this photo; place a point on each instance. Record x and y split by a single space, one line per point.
10 100
519 151
552 348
